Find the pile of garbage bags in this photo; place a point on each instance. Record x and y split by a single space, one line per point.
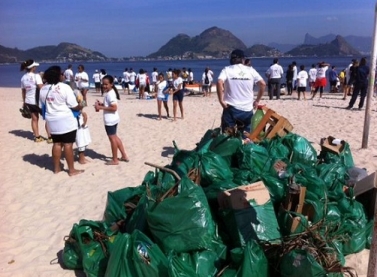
180 222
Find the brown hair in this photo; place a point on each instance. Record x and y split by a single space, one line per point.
25 64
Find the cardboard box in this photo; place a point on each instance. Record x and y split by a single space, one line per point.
238 198
327 144
365 192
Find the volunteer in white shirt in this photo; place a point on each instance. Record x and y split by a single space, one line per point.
320 81
235 92
82 80
97 80
275 72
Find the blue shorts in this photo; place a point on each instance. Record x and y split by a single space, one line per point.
111 130
178 96
164 99
232 117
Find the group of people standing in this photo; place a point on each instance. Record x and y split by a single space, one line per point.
62 108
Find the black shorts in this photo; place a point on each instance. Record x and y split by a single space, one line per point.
111 130
97 85
301 89
64 138
33 108
178 96
126 84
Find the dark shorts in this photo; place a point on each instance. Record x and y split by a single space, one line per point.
64 138
33 108
232 117
301 89
97 85
178 96
111 130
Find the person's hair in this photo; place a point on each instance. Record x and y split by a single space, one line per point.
176 72
169 69
294 62
111 81
236 60
126 69
206 70
25 64
276 60
154 68
302 67
141 71
363 61
161 74
52 75
247 62
333 67
103 71
290 67
69 66
81 66
313 65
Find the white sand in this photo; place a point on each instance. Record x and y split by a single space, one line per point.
39 208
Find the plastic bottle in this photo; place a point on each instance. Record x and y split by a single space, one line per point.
257 117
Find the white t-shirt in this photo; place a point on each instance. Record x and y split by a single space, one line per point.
132 77
60 100
96 77
294 73
79 77
177 82
210 79
29 82
302 78
161 86
312 74
238 85
275 71
191 76
154 76
68 75
110 118
126 76
321 72
142 79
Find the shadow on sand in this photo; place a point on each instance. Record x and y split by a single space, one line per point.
150 116
167 150
95 155
22 134
42 161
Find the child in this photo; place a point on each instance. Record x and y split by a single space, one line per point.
111 118
302 78
82 135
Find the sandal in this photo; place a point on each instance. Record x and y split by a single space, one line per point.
38 139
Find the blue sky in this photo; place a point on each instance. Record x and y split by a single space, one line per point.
123 28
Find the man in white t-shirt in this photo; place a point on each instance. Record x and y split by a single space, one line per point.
312 77
97 80
213 77
68 76
294 80
154 76
235 91
302 78
82 81
274 73
126 81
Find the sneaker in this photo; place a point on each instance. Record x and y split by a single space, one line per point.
349 108
49 140
38 139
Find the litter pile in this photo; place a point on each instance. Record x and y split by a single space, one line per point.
273 208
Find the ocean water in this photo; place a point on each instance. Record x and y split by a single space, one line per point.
10 74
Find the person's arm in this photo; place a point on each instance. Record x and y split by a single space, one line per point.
262 86
178 88
220 93
112 108
23 95
85 119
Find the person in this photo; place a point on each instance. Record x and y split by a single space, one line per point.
68 75
294 80
247 62
191 76
178 93
31 83
347 89
275 72
82 80
162 89
97 80
360 84
289 79
58 101
154 76
111 119
333 78
235 92
141 83
302 78
126 79
101 75
132 77
312 76
212 75
206 82
342 76
169 76
83 138
320 81
184 76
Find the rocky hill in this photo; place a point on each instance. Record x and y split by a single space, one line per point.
62 52
338 47
213 42
260 50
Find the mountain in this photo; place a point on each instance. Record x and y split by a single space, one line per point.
260 50
362 44
282 47
62 52
213 42
338 47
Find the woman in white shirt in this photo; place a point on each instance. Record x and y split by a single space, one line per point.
58 102
178 93
206 82
161 87
111 119
82 80
30 83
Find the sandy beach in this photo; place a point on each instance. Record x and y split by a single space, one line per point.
38 208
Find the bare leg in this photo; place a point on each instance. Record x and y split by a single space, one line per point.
121 149
114 150
159 109
175 104
84 92
68 153
34 124
166 108
82 159
56 155
181 109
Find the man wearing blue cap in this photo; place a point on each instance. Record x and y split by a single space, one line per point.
235 92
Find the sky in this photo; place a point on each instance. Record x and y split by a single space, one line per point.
125 28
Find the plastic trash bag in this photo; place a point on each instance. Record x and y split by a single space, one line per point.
213 168
301 151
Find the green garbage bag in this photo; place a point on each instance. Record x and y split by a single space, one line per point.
242 176
138 219
203 145
286 218
301 150
255 158
277 187
344 158
299 263
115 209
214 189
369 233
356 238
213 168
226 146
183 161
333 175
137 256
184 222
